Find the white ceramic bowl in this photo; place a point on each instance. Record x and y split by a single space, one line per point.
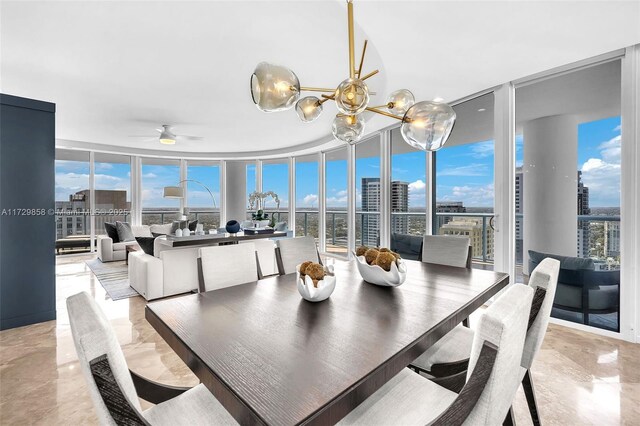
309 292
374 274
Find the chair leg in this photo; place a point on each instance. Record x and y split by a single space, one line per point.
465 322
510 420
527 385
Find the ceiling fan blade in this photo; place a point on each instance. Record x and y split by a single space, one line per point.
189 138
143 136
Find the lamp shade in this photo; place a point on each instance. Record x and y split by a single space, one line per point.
274 88
173 192
427 125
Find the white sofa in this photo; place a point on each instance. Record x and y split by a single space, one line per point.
171 271
108 251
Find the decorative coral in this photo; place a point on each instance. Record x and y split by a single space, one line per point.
371 255
384 260
360 251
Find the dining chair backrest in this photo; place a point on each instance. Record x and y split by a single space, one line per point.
266 255
93 337
294 251
503 325
226 266
543 281
450 250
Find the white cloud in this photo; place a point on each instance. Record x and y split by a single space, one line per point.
611 150
310 200
149 175
617 128
342 193
482 149
477 169
416 186
471 195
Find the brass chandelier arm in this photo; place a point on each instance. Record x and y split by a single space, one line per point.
387 114
326 98
364 50
352 65
371 74
316 89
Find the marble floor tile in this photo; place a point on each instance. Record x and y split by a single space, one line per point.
580 378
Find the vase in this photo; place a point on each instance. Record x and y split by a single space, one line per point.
178 232
186 232
233 227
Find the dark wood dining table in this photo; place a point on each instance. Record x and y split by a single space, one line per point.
271 357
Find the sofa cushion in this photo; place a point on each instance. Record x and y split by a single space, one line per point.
124 231
146 244
141 231
122 245
566 262
112 231
193 225
157 230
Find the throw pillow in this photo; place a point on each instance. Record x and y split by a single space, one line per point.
112 231
193 225
160 229
124 231
280 227
146 244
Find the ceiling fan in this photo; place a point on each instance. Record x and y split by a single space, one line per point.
169 137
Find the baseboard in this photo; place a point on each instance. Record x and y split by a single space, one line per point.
21 321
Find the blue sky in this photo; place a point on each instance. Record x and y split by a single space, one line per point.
464 173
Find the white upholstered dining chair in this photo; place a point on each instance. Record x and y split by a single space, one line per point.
226 266
115 389
266 256
293 251
491 381
449 250
449 355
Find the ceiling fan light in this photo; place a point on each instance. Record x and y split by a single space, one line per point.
308 108
352 96
274 88
348 128
427 125
167 137
400 101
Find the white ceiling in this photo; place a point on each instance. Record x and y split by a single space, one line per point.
117 69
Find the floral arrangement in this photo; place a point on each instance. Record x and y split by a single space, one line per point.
257 199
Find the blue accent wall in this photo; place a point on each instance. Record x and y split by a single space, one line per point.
27 181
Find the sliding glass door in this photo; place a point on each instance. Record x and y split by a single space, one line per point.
568 168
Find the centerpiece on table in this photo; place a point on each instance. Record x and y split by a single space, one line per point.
380 266
315 282
256 202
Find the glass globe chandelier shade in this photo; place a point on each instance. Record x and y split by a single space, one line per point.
352 96
308 108
400 101
427 125
348 128
274 88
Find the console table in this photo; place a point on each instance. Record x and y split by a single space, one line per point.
212 239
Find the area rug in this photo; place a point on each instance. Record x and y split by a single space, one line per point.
114 277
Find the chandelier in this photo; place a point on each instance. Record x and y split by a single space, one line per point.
425 125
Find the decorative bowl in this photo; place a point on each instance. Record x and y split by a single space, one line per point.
374 274
316 294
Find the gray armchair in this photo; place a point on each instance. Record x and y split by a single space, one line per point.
581 288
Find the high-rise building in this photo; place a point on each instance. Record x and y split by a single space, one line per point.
583 225
612 239
448 207
75 216
370 192
470 227
519 210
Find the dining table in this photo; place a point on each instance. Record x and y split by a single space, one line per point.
271 357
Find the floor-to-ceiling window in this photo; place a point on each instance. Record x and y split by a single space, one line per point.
408 188
72 199
275 178
156 174
307 196
203 193
568 148
112 181
368 192
251 185
464 179
336 221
